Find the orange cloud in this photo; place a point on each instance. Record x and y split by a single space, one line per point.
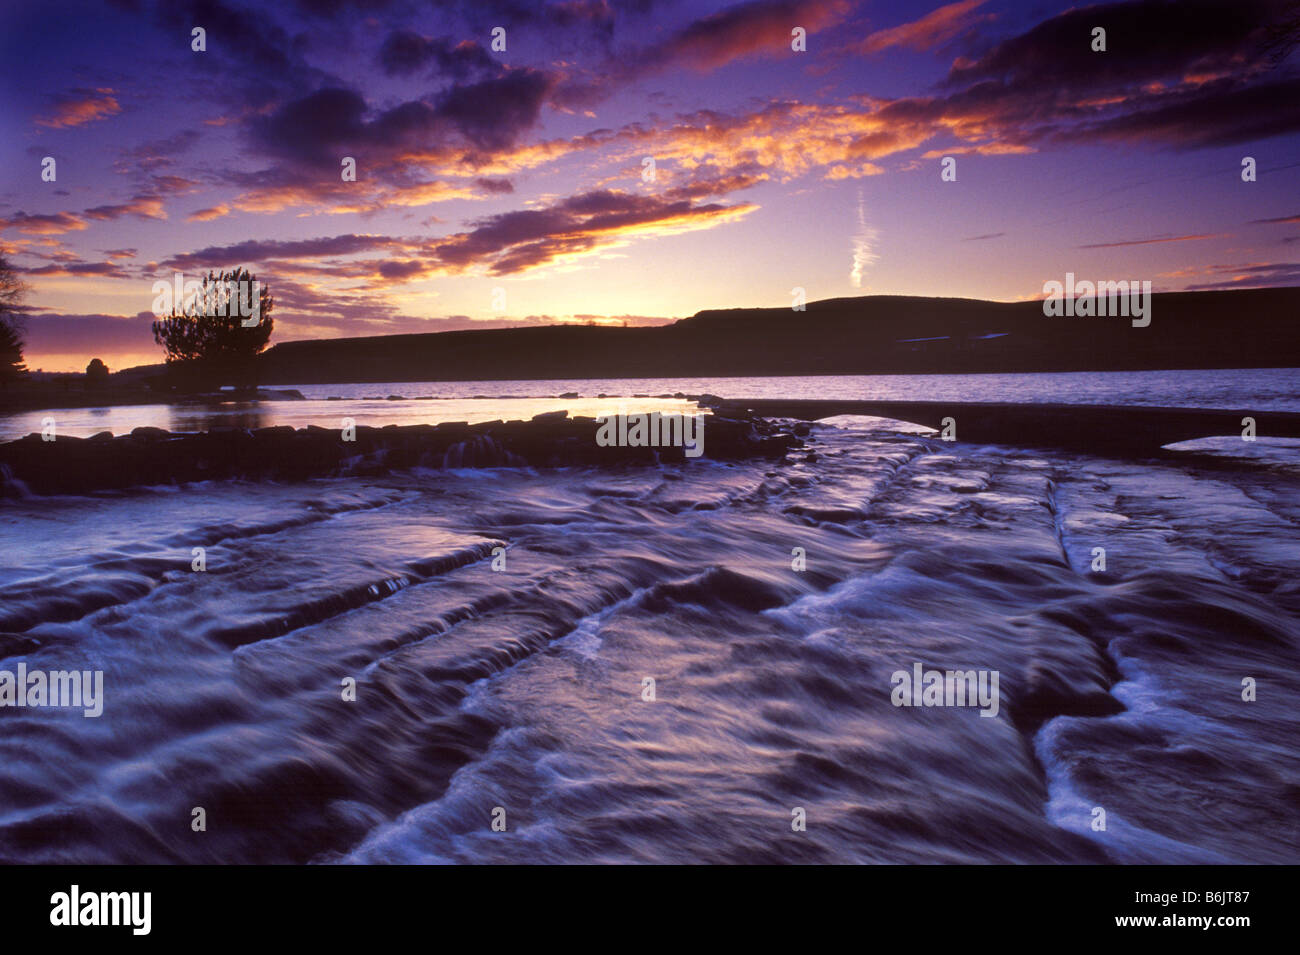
846 172
83 106
339 198
142 207
207 215
926 33
745 30
982 149
523 240
54 224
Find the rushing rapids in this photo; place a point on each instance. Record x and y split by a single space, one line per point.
498 626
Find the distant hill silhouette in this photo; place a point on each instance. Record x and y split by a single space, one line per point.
878 334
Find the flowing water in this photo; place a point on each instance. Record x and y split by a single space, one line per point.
511 684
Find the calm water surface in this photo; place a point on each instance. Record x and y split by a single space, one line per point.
1268 389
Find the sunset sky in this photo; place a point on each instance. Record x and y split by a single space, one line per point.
522 169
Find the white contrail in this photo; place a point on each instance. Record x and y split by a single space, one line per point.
864 246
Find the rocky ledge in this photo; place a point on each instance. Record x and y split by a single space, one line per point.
146 456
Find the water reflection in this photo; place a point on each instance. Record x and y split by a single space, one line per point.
432 402
227 414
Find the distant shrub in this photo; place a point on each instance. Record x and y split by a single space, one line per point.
11 339
96 373
206 342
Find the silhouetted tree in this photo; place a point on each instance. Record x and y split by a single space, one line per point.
96 373
12 291
205 339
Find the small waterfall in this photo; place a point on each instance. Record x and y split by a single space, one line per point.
10 486
482 451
